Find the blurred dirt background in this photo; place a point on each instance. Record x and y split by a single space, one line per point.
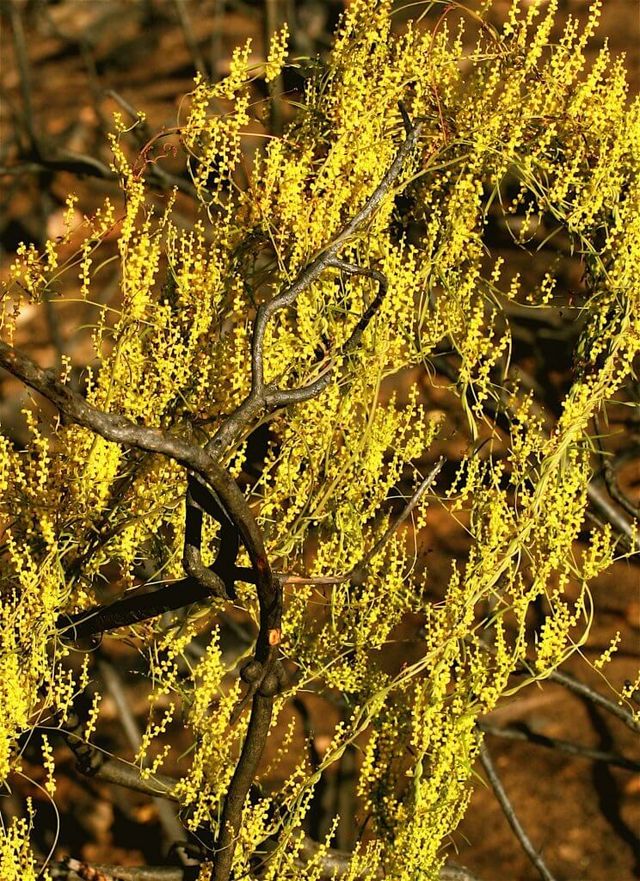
66 66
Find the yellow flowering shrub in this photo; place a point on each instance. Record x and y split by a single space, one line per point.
519 122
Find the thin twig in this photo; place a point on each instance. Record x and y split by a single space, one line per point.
359 571
501 413
166 812
611 514
383 286
610 477
358 574
577 686
524 733
510 814
583 690
189 37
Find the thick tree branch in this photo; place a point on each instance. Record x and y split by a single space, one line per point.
259 722
133 609
118 429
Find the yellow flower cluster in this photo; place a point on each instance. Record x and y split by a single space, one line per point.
208 714
277 54
17 862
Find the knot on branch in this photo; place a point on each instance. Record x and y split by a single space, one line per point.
266 682
251 671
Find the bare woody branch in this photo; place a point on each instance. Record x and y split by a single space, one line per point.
510 814
78 870
610 477
118 429
580 688
256 401
92 762
264 680
523 733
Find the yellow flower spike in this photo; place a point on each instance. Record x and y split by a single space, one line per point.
277 54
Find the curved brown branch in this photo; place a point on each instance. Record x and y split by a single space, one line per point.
383 286
267 684
234 514
118 429
583 690
255 402
92 762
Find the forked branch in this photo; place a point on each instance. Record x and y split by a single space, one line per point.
224 498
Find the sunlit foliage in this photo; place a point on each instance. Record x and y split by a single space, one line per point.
518 121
